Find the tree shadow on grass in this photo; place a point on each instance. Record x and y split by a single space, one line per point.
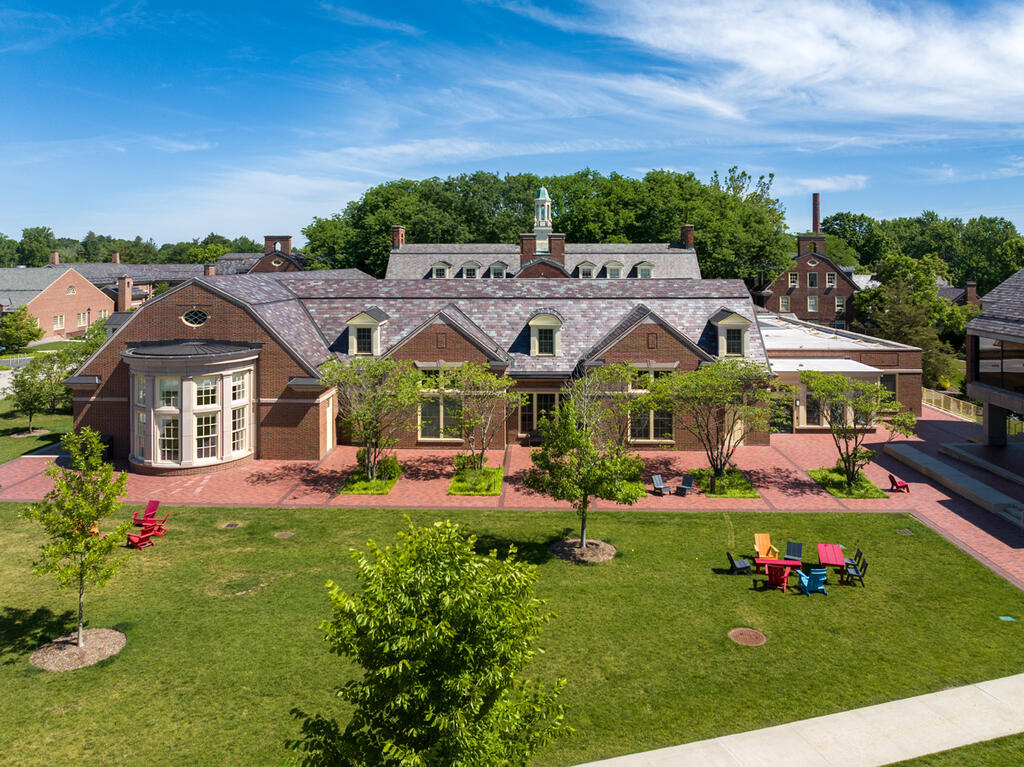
531 552
24 631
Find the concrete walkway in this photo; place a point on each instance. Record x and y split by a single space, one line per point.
864 737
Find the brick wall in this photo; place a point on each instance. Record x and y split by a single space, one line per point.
54 300
826 314
266 264
541 270
288 421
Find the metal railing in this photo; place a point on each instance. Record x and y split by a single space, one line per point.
964 409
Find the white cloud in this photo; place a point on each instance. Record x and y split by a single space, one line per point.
831 59
357 19
173 145
843 183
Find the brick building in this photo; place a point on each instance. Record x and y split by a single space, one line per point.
63 302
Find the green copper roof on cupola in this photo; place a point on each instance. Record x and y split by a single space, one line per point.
543 194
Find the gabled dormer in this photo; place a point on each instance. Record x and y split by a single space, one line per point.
613 270
440 270
644 270
470 270
364 332
733 333
586 270
498 270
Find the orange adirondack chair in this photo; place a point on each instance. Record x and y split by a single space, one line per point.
763 545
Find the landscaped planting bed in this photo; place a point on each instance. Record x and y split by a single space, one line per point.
222 637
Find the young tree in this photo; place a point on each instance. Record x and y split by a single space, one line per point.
18 329
442 635
605 399
377 399
29 392
850 407
575 464
720 404
486 401
84 492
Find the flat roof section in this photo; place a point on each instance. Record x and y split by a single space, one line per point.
822 365
781 333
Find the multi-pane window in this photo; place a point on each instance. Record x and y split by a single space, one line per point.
238 428
830 279
140 434
364 340
734 341
168 392
812 412
70 290
888 380
840 303
238 391
812 279
812 303
206 390
58 322
82 319
438 416
613 272
103 314
783 303
140 390
168 439
534 408
498 271
469 272
586 272
546 341
794 280
650 425
206 436
440 272
644 272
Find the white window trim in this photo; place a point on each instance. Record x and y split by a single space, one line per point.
734 322
363 320
830 279
840 303
816 304
644 265
440 396
784 304
470 265
816 283
58 322
532 404
794 279
587 265
650 440
613 265
545 321
442 267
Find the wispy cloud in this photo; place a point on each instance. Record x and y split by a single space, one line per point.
174 145
843 183
1011 167
357 19
29 31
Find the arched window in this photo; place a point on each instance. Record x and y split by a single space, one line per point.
545 335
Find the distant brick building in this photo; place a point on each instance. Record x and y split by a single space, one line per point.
63 302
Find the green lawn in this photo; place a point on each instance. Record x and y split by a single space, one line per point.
53 346
486 481
358 484
732 485
833 480
209 675
1001 752
15 423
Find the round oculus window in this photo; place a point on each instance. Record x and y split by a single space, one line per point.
812 262
277 262
195 317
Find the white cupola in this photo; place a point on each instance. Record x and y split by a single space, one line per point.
542 226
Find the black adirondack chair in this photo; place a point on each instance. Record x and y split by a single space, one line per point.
686 486
857 572
738 566
794 551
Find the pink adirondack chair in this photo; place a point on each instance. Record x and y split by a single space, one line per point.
898 485
778 577
156 527
142 540
148 515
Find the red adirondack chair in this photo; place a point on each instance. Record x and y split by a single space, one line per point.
778 577
142 540
898 485
148 515
156 527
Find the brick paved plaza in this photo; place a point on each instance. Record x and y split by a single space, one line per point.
777 472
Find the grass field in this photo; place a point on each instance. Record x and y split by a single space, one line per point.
14 423
209 674
1001 752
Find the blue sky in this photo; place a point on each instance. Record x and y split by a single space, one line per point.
173 120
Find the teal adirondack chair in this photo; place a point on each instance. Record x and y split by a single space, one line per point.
813 582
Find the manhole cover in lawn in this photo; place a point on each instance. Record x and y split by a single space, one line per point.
748 637
284 534
905 532
231 525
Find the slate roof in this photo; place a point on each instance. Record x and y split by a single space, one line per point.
105 273
19 285
1002 309
952 294
311 312
670 260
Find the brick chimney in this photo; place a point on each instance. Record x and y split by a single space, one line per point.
686 235
527 247
277 243
816 213
556 248
124 293
115 257
397 237
54 257
972 293
209 270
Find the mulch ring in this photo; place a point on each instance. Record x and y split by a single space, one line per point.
748 637
64 654
569 550
32 433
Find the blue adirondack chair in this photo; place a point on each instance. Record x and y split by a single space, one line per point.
813 582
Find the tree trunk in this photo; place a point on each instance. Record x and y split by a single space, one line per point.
583 527
81 602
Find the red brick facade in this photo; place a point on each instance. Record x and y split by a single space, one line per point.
804 266
541 269
85 304
274 262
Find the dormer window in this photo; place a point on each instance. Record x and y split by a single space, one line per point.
364 331
733 334
645 270
545 335
470 270
439 271
498 270
613 270
586 270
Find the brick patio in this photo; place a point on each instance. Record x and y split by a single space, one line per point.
778 472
